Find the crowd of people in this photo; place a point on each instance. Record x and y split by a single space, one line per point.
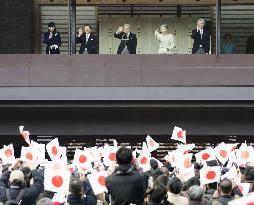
118 175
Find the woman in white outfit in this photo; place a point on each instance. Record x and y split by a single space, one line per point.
165 39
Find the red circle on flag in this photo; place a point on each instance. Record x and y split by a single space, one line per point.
250 203
223 153
245 154
180 134
186 152
112 156
82 159
57 181
151 143
143 160
54 150
187 163
29 155
24 135
8 152
210 175
101 180
205 156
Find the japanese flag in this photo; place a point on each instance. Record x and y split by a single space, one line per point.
245 154
7 153
58 198
222 152
24 134
179 135
186 173
244 188
53 149
245 200
205 155
151 144
57 177
95 154
30 154
41 150
210 174
185 149
109 156
144 161
170 158
82 159
184 161
97 181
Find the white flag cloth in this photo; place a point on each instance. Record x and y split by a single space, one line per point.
245 154
151 144
245 200
7 154
82 159
205 155
41 149
30 154
109 155
187 173
58 198
54 150
97 181
244 188
179 135
57 177
24 134
210 174
222 152
144 160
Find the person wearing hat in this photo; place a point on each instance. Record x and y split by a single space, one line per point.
52 39
228 47
13 186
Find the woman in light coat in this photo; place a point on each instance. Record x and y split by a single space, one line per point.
165 39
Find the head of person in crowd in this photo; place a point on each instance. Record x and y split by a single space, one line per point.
212 186
124 156
76 187
163 180
228 37
17 179
157 194
44 201
193 181
165 170
175 185
126 28
51 27
195 193
225 187
169 166
87 28
200 23
249 172
27 175
164 29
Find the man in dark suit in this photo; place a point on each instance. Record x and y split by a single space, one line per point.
201 36
128 43
88 40
250 45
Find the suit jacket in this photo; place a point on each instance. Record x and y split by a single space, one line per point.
90 45
205 41
250 45
131 43
55 40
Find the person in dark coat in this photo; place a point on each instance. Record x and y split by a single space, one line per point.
17 183
52 39
128 42
250 45
224 194
87 40
76 189
125 185
195 195
201 37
